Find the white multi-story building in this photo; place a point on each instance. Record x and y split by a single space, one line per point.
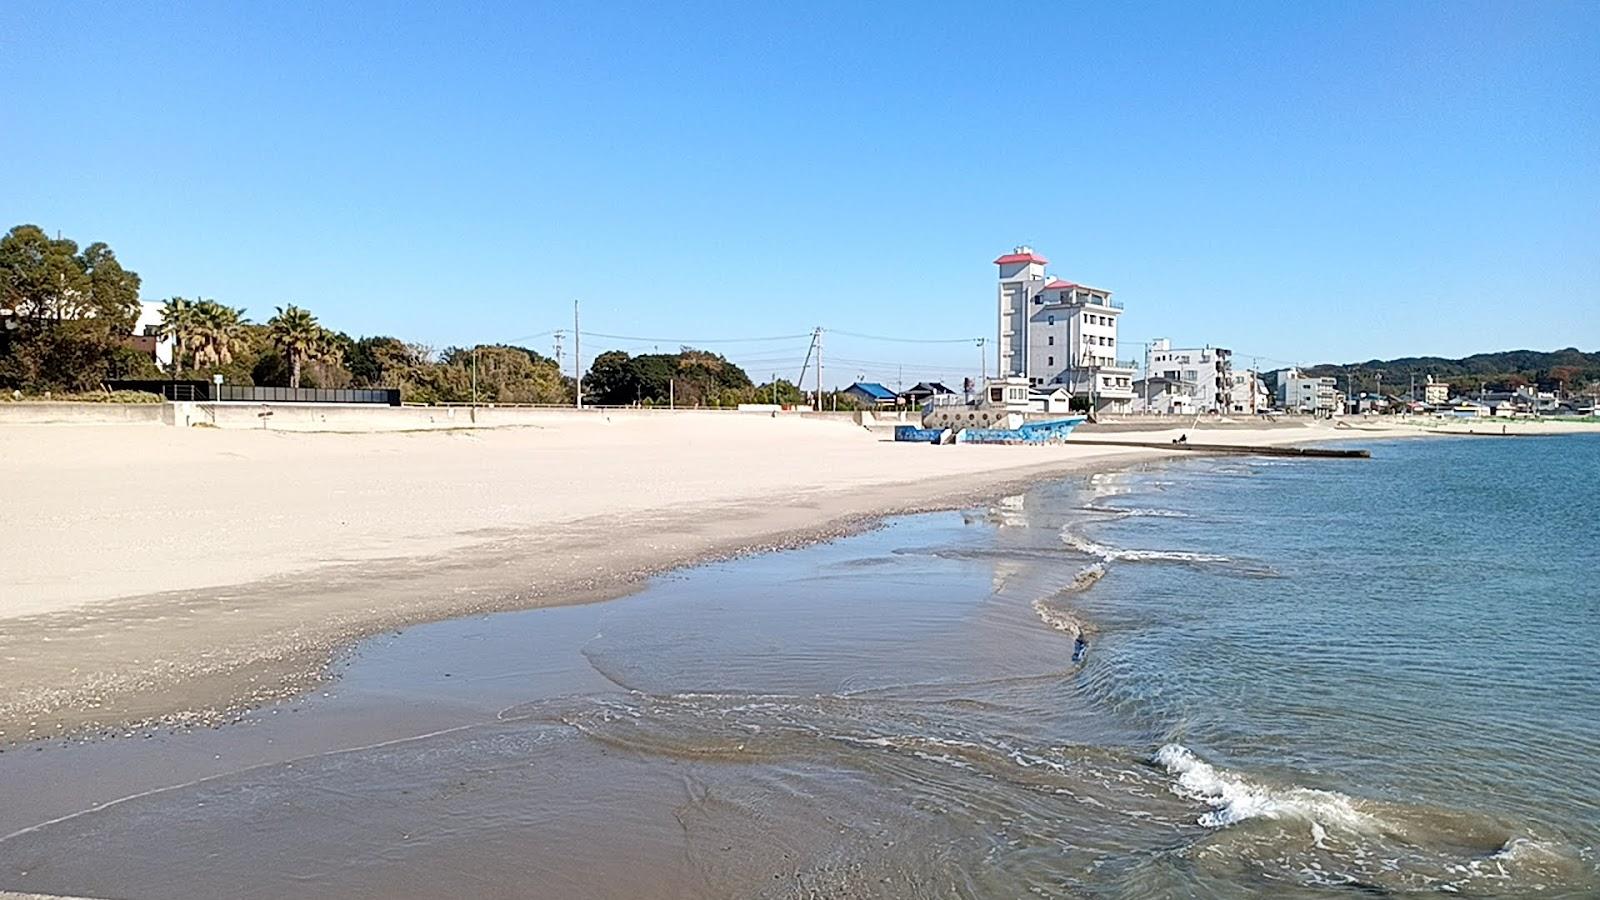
1057 332
1208 370
1216 386
1314 394
1435 393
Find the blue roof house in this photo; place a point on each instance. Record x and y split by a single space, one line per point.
871 393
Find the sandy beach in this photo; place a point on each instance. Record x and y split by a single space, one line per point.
170 574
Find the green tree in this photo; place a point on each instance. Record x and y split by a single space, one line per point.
298 337
180 323
783 391
379 361
65 313
689 377
609 379
507 374
219 333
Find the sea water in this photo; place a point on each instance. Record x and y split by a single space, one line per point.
1213 677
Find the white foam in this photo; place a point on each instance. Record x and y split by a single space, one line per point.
1139 511
1111 554
1524 849
1234 799
1063 621
1174 555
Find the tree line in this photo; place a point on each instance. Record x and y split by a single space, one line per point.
1570 370
67 317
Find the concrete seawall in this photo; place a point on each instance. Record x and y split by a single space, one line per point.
360 417
340 417
67 413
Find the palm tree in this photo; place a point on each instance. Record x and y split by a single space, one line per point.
219 332
179 320
297 335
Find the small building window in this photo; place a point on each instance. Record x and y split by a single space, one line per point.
1051 340
1049 320
1049 360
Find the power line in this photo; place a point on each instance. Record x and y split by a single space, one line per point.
529 337
903 340
681 341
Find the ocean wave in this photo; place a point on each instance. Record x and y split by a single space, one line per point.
1234 799
1137 511
1112 554
1060 619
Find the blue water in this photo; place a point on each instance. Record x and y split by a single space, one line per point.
1206 677
1430 619
1419 631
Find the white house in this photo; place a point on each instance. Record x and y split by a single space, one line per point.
148 325
1165 397
1053 399
1057 332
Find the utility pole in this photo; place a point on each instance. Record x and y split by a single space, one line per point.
672 393
577 355
774 388
819 368
559 364
805 365
1145 345
474 384
983 361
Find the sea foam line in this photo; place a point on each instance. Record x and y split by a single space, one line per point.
1059 619
1111 554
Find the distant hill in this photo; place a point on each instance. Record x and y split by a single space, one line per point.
1570 369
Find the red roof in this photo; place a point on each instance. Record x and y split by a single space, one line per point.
1059 285
1021 258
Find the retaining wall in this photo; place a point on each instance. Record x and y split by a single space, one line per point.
68 413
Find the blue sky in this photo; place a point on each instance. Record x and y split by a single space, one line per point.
1301 182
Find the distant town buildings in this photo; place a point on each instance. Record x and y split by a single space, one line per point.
1313 394
1057 332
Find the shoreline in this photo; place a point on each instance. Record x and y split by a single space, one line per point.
206 655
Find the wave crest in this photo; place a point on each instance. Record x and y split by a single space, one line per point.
1234 799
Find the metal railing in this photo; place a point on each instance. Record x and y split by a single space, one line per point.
255 394
207 392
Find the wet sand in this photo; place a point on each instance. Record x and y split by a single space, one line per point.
180 575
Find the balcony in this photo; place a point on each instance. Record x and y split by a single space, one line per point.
1079 298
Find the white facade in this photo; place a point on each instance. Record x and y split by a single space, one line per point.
1435 392
149 325
1165 397
1298 392
1056 332
1217 388
1247 393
